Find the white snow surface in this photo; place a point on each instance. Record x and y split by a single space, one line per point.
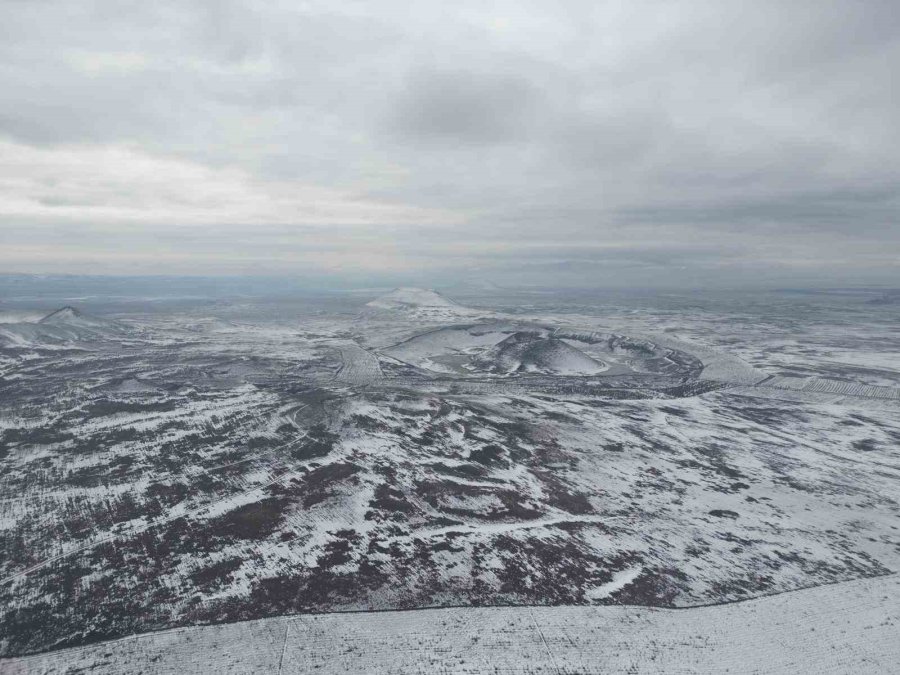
849 627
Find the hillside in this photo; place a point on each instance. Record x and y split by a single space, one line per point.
60 327
526 352
415 303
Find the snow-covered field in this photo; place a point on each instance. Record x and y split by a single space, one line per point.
852 627
358 366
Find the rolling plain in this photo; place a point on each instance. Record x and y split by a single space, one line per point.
590 485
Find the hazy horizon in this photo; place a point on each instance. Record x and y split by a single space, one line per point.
134 285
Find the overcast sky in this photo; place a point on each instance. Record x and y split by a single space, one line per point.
622 143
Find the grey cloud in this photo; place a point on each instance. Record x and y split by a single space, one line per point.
864 210
636 127
462 107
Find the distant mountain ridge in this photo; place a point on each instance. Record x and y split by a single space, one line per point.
422 303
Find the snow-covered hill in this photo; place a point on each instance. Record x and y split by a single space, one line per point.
418 303
525 352
72 318
61 326
406 298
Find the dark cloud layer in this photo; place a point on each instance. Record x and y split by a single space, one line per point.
651 143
